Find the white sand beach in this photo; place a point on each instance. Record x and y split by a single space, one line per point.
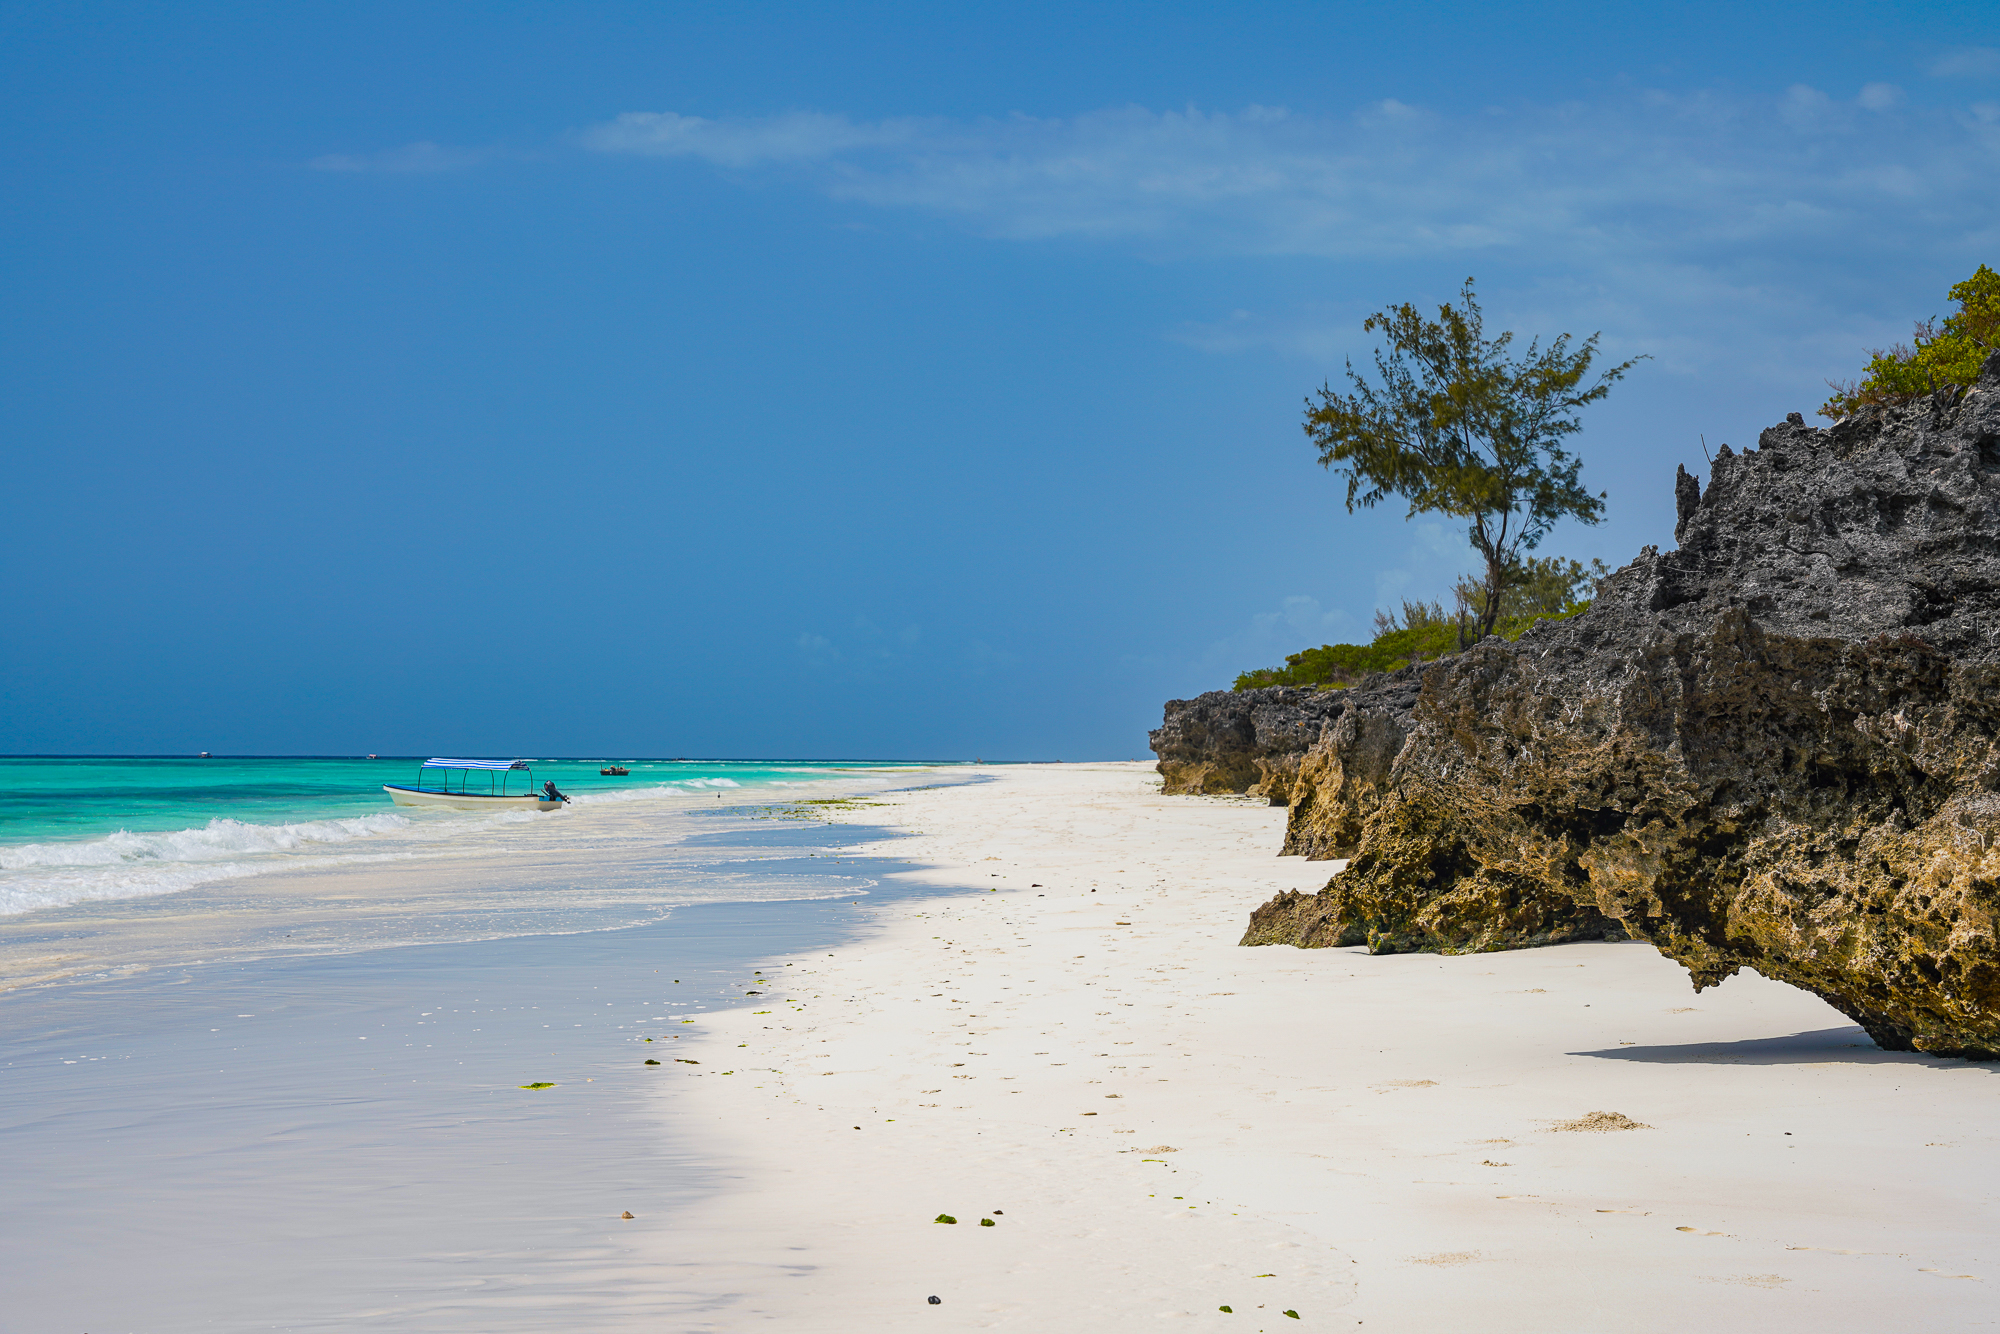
1028 1009
1160 1124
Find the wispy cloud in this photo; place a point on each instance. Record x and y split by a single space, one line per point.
1763 238
797 137
411 159
1688 177
1968 62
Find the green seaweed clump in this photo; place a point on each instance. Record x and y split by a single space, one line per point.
944 1218
538 1085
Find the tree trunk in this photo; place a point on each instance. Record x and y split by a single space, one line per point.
1496 583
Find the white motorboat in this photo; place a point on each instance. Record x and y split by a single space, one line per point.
440 792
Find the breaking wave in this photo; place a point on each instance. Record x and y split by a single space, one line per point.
138 865
129 865
217 839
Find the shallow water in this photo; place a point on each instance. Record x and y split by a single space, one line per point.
618 861
339 1140
76 830
290 1099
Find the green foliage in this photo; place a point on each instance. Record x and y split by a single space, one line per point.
1460 427
1540 588
1343 664
1945 353
944 1218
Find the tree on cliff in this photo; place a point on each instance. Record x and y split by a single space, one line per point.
1459 427
1947 352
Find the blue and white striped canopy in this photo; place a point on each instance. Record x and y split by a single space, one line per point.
475 764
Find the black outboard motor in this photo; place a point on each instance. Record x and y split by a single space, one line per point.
549 792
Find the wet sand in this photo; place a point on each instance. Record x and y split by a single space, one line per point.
227 1134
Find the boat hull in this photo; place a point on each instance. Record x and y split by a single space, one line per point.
468 801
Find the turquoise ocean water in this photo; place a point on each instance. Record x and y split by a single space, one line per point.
75 829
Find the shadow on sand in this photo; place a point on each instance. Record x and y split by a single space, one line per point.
1846 1045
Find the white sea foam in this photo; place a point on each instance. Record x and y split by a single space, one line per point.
63 886
682 787
137 865
216 839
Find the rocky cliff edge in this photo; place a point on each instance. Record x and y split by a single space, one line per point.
1777 747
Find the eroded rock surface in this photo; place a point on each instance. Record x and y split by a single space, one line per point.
1341 776
1249 741
1773 748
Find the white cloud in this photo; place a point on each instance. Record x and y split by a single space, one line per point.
1764 239
1299 618
1298 622
1967 62
420 157
818 649
1676 179
746 142
1805 107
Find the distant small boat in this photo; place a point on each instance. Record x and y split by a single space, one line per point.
205 755
464 799
615 771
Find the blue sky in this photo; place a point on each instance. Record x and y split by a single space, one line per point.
867 380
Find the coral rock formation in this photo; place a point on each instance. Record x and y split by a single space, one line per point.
1241 741
1776 748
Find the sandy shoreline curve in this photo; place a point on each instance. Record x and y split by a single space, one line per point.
1159 1124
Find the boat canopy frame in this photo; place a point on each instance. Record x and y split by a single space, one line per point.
466 768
